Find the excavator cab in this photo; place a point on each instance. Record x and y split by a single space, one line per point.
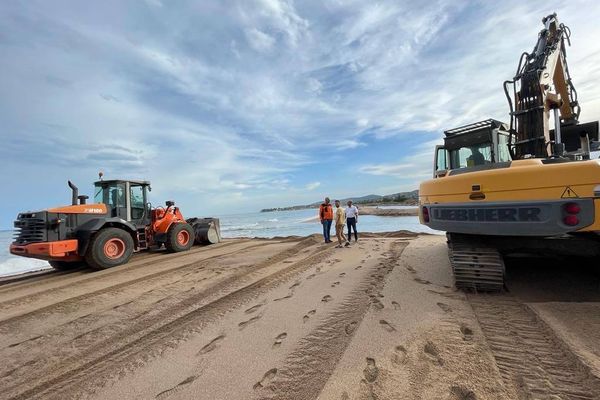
127 200
474 147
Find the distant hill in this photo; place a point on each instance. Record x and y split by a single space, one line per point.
401 198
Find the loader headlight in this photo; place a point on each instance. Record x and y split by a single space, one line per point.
597 191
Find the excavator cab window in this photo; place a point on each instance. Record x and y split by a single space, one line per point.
471 156
503 150
441 162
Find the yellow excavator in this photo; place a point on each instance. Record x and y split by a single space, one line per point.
520 188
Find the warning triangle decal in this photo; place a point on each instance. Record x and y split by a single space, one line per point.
569 194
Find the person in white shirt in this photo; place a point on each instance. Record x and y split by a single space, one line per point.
352 220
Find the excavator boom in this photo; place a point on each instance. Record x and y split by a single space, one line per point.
542 84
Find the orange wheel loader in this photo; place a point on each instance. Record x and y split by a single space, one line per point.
105 234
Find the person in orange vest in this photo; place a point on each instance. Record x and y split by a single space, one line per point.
326 217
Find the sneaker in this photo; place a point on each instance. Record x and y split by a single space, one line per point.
347 244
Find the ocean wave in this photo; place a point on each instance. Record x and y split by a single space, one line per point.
240 227
19 265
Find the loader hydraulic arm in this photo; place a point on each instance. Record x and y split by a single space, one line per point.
542 84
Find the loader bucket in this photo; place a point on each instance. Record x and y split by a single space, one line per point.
207 230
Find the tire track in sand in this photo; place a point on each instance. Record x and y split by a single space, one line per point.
530 357
92 276
307 369
75 301
138 344
76 338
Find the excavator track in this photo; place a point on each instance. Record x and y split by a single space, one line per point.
475 267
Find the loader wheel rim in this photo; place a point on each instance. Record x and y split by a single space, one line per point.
183 238
114 248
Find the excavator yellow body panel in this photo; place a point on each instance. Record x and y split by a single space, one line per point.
521 182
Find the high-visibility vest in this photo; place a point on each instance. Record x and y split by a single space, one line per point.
326 211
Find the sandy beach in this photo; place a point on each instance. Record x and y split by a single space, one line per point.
292 318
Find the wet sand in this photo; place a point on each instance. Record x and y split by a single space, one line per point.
292 318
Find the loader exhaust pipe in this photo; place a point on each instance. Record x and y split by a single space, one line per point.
75 193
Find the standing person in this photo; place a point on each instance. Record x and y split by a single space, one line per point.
352 220
326 217
340 220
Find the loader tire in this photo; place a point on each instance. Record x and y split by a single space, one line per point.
180 237
109 248
65 265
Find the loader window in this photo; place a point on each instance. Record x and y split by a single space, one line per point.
471 156
137 202
111 195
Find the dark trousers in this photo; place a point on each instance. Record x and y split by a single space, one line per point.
351 222
327 229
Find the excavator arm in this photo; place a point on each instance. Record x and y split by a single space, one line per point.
542 84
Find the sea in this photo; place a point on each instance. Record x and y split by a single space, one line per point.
258 224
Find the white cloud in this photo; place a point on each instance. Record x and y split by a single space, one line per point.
260 41
312 185
240 97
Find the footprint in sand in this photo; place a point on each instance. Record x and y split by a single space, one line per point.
432 352
371 372
326 299
445 307
461 393
342 275
168 392
267 377
311 276
289 296
386 325
334 284
359 267
244 324
253 308
295 285
378 305
279 339
396 305
400 355
213 344
308 315
351 327
423 281
467 333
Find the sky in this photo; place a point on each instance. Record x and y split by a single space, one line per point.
237 105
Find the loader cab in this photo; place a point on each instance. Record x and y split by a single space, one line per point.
127 200
479 146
